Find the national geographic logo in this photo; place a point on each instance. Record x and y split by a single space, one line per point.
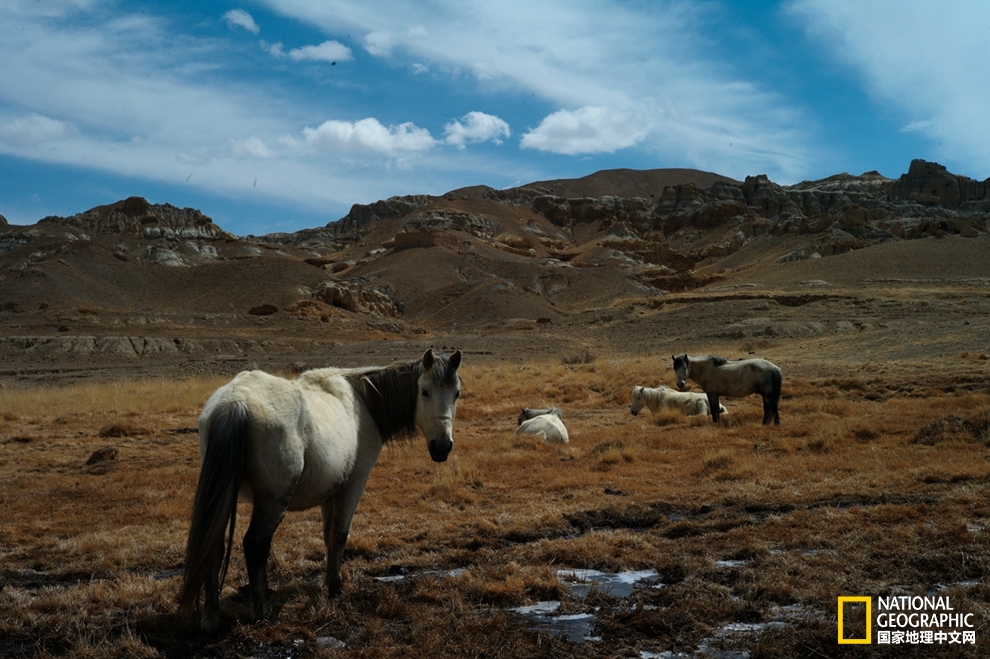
904 620
853 620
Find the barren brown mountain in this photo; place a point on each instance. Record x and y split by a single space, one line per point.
871 267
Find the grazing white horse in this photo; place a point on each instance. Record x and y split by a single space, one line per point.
295 444
688 403
549 426
718 376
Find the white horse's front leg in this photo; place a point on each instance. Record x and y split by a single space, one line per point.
337 514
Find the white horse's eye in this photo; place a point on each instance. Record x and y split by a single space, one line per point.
457 394
426 393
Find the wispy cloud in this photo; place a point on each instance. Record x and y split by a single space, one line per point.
250 147
594 65
32 130
88 84
238 18
379 42
912 58
917 127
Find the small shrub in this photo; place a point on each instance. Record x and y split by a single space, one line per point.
951 428
717 459
123 430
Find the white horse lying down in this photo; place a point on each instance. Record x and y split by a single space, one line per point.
686 402
529 413
549 425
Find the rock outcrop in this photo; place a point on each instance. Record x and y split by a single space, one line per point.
358 298
841 212
930 184
134 216
362 214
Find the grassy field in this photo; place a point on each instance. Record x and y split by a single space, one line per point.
868 487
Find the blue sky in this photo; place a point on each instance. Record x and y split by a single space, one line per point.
277 115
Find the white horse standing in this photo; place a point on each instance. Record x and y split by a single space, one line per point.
547 424
688 403
295 444
718 376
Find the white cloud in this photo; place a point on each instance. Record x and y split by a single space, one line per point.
916 127
328 51
250 147
476 127
273 49
32 130
110 76
369 136
656 58
925 63
379 43
239 18
591 129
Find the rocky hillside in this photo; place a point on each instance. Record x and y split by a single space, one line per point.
842 212
558 259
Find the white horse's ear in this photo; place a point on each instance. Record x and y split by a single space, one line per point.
455 360
428 359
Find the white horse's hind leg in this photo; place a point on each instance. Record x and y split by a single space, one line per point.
210 615
266 515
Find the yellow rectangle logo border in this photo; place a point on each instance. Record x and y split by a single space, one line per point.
869 621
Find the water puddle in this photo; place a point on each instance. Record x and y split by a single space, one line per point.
619 584
436 574
577 627
735 633
746 633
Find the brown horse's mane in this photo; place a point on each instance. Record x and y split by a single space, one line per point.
390 393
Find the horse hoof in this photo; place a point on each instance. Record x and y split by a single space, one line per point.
263 616
210 622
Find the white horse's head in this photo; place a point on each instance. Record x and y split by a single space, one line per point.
682 370
438 386
637 401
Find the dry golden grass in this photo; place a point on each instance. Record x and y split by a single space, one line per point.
842 498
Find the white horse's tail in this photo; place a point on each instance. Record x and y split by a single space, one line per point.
215 506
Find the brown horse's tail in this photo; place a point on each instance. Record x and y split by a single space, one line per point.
215 505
